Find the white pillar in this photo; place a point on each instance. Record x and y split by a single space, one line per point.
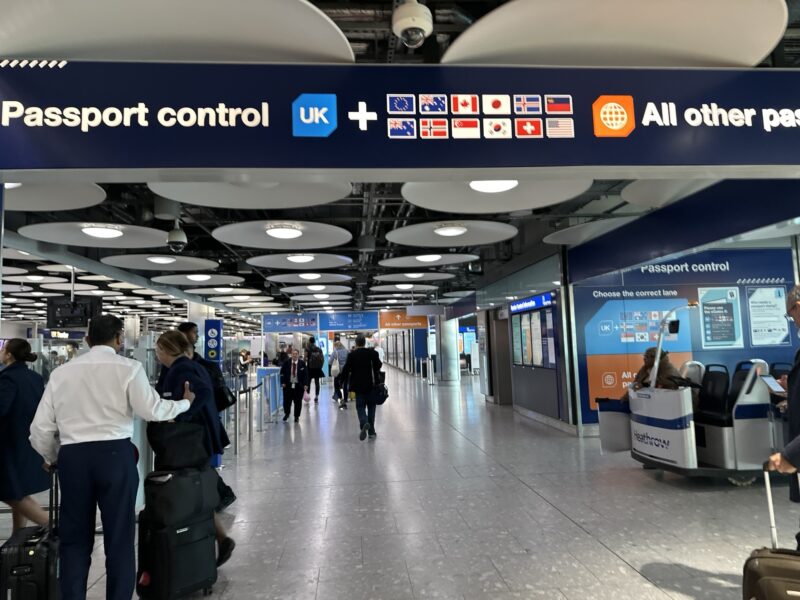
447 357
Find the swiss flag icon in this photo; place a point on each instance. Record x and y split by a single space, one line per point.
464 104
528 128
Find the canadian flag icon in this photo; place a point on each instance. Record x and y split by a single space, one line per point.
464 104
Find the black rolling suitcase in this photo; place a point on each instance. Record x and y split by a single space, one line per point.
29 559
177 543
771 573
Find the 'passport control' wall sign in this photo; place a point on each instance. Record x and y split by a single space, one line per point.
87 115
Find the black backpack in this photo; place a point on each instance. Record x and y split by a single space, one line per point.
315 358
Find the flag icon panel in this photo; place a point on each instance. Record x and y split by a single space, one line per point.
402 128
496 104
560 128
434 129
528 128
527 104
466 129
558 104
433 104
497 129
401 104
464 104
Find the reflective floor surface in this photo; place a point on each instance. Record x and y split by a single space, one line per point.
462 500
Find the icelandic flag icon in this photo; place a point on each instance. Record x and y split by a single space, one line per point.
558 104
433 104
527 104
402 129
401 104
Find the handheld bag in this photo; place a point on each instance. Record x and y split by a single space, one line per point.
773 572
335 369
29 559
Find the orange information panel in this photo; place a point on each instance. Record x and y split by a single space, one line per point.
398 319
610 374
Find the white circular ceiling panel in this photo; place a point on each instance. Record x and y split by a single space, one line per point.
102 235
316 289
459 232
282 234
414 277
254 304
459 197
310 278
655 193
226 290
235 298
95 278
50 197
254 196
415 287
60 269
38 294
306 261
147 292
34 279
11 254
208 279
124 285
65 287
180 31
265 311
6 271
315 298
159 262
100 293
427 259
578 234
623 33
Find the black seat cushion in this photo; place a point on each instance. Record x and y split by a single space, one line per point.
713 418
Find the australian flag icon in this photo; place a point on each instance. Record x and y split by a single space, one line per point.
402 128
433 104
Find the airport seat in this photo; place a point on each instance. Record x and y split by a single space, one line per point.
693 371
779 369
715 407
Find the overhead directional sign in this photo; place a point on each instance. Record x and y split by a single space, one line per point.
85 115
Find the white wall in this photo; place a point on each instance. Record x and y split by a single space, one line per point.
13 329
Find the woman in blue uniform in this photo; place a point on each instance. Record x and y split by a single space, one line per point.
174 351
21 472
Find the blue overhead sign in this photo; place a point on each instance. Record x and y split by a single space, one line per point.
86 115
289 323
348 321
532 303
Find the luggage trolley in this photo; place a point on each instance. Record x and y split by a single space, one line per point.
727 436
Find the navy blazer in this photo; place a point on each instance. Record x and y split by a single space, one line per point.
21 472
302 373
203 410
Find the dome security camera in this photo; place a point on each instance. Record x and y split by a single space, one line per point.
412 22
176 239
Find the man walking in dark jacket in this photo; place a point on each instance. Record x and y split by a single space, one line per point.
362 374
294 381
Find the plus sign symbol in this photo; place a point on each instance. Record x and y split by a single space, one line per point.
362 115
528 128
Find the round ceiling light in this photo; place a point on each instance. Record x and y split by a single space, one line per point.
404 286
161 260
223 289
322 296
414 275
493 186
35 278
98 292
300 258
392 301
426 258
316 288
11 186
309 276
241 297
199 277
284 231
105 232
450 230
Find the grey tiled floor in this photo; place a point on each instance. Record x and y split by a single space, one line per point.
459 499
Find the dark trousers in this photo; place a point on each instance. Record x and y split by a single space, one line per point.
366 411
340 387
315 374
293 396
92 474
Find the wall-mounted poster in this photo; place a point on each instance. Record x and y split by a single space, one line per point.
536 338
768 326
527 351
721 317
516 339
551 339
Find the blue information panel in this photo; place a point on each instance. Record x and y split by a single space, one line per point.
164 115
532 302
213 343
348 321
289 323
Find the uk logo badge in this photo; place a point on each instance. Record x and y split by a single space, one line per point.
433 104
401 104
314 115
402 129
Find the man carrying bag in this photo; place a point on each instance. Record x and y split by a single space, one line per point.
362 375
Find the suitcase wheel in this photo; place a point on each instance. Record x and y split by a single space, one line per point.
208 591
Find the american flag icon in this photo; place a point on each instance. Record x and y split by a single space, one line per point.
402 129
434 128
527 104
433 104
560 128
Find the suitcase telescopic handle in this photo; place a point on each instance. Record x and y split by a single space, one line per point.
55 502
773 530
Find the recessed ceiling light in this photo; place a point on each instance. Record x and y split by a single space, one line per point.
273 313
404 286
322 296
253 303
414 275
98 292
24 253
316 288
199 277
11 186
392 301
241 297
397 295
138 301
426 258
310 276
223 289
300 258
12 300
161 260
105 232
34 277
450 230
37 293
493 186
284 231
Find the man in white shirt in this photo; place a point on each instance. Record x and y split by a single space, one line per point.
85 423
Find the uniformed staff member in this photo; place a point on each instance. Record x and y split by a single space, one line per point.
85 423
